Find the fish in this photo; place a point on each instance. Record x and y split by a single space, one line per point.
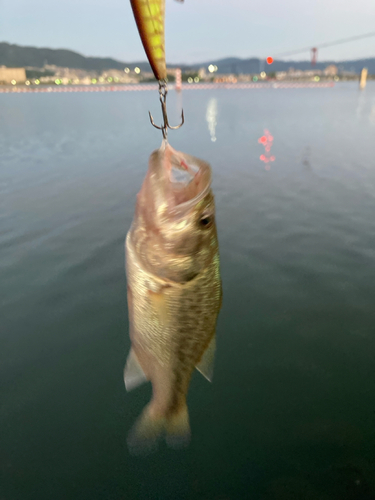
149 16
174 293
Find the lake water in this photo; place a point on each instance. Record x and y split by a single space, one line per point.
291 411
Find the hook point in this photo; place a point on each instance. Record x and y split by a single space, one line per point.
152 121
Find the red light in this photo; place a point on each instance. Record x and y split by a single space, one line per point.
269 60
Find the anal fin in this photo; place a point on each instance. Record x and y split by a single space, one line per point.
206 364
133 373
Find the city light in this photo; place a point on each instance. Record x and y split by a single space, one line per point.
57 81
93 80
13 82
215 67
137 70
101 79
211 68
263 74
27 82
110 79
255 78
127 70
190 80
37 82
116 79
316 78
196 79
269 60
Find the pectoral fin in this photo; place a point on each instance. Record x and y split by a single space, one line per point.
133 373
206 364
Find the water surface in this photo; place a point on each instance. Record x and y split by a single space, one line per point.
291 412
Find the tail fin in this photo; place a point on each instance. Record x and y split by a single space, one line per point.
146 432
144 436
178 429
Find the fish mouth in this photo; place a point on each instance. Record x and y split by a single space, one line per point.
188 178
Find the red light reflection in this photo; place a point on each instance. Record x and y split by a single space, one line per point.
266 140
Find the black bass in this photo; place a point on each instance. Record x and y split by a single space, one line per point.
174 291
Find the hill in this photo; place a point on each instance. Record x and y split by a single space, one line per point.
18 56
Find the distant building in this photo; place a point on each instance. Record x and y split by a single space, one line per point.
331 70
225 79
295 73
280 75
7 75
303 74
313 72
245 78
202 73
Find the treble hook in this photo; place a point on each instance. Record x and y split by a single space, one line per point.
163 90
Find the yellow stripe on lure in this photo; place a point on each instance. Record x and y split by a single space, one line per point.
149 16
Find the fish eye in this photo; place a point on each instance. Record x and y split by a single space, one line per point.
206 221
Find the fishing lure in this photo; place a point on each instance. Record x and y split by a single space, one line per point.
150 19
149 16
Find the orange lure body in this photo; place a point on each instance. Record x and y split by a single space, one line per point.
149 16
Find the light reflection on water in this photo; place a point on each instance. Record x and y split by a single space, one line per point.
211 117
266 140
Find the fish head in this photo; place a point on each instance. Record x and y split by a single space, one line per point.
174 229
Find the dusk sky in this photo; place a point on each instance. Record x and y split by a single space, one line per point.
197 30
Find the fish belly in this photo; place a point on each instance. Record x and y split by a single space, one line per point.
171 325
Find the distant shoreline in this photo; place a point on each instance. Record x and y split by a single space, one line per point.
146 87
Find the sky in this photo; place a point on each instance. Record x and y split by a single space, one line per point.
197 30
